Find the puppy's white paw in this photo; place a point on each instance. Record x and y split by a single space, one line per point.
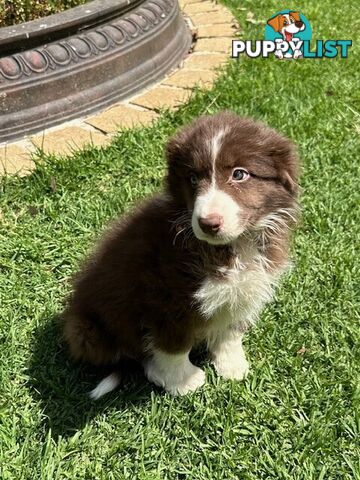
177 378
189 384
232 367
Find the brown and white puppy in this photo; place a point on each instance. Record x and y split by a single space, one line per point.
288 25
193 264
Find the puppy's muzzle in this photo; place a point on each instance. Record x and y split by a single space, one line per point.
211 224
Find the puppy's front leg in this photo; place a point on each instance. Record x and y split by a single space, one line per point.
228 355
174 372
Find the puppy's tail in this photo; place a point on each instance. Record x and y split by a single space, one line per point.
107 384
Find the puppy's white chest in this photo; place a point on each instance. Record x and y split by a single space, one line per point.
237 296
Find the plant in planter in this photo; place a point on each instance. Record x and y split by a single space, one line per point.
17 11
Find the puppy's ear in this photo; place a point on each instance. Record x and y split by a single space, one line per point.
289 168
275 23
176 152
176 149
295 16
286 161
173 149
289 182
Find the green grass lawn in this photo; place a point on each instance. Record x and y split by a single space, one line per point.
297 416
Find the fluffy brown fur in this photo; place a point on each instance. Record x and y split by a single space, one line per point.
136 294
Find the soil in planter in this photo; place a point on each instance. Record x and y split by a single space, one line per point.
18 11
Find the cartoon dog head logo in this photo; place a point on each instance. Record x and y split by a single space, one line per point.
287 28
287 24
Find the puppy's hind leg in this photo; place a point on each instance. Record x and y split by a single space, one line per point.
88 338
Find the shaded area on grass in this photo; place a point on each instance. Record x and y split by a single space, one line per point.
62 386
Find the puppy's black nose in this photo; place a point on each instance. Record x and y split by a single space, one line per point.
211 224
299 24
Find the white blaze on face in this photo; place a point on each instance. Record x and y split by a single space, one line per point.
215 145
216 201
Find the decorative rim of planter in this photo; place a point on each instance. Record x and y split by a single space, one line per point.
213 27
127 47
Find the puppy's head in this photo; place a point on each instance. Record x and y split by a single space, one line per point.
232 174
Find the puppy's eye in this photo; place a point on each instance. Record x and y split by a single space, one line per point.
193 179
240 175
285 22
